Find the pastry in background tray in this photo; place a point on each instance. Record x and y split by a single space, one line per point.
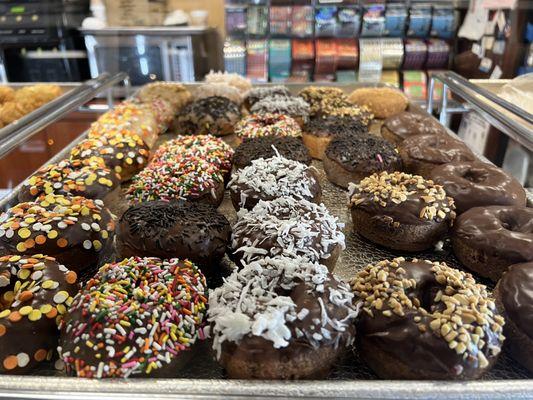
349 158
209 116
237 81
260 125
406 124
383 102
124 154
173 93
475 184
281 318
74 230
401 211
193 231
36 293
425 320
259 93
319 131
268 179
16 104
268 146
287 227
218 89
136 318
6 94
296 107
514 295
487 240
187 178
422 153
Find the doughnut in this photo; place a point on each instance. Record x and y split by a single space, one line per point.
406 124
124 154
281 318
237 81
295 107
193 231
162 111
74 230
263 147
340 107
422 153
173 93
6 94
188 178
314 95
218 89
514 295
487 240
213 115
259 93
475 184
382 102
36 293
287 227
136 318
214 150
72 178
268 179
425 320
400 211
319 131
350 158
260 125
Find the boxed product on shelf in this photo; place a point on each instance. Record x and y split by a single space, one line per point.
280 20
302 21
235 56
373 20
347 54
438 54
257 20
326 60
326 22
279 59
256 60
415 85
419 20
395 20
443 22
415 54
349 22
236 19
303 58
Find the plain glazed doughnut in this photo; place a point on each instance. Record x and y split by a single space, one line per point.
425 320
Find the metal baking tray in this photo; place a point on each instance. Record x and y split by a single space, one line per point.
350 378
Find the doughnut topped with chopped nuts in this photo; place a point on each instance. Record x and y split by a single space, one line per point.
74 230
36 292
315 95
426 320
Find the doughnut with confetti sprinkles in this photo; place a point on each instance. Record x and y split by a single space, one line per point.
260 125
74 230
85 178
137 317
36 293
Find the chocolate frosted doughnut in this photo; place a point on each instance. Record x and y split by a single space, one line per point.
514 295
36 292
210 116
74 230
296 107
425 320
401 211
268 146
422 153
72 178
287 227
406 124
192 231
137 317
319 131
488 240
294 319
268 179
475 184
259 93
350 158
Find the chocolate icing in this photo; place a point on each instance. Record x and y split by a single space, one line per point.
516 289
288 147
436 149
365 153
407 124
475 184
327 126
193 231
210 115
505 231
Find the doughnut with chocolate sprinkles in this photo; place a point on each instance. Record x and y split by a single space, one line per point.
136 318
36 293
281 318
425 320
268 146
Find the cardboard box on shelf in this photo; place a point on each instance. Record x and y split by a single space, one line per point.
135 12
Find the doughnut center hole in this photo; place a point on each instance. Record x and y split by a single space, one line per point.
475 176
508 222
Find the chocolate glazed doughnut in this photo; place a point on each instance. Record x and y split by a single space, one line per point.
487 240
422 153
475 184
399 127
266 147
193 231
425 320
281 318
514 295
36 292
